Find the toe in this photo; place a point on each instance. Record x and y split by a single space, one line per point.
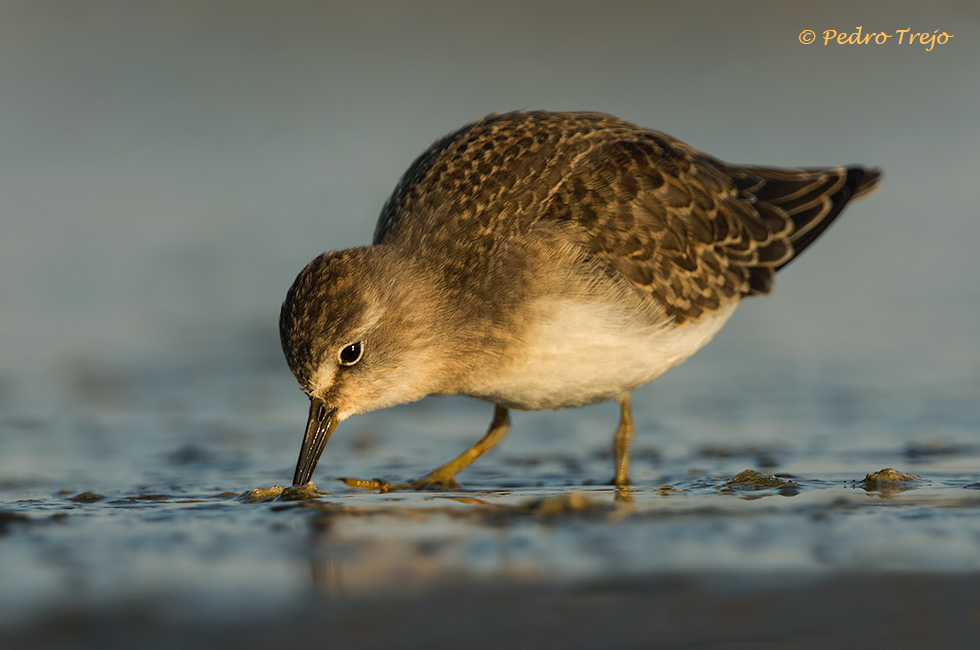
379 484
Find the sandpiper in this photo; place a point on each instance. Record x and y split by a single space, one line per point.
541 260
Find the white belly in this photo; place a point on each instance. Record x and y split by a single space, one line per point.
580 355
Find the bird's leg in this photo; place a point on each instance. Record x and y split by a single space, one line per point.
621 443
445 476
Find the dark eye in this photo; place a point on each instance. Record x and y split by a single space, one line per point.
351 354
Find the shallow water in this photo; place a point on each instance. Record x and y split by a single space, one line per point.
141 512
168 170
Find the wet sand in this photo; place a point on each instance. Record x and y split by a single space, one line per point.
736 563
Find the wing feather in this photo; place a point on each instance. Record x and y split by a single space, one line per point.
689 232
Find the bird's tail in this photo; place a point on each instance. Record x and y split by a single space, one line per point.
810 198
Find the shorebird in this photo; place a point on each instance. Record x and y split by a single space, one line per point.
541 260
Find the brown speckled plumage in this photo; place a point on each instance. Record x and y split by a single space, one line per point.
683 227
520 217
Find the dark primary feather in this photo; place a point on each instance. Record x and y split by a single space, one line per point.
689 232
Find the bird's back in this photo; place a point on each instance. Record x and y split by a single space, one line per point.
691 233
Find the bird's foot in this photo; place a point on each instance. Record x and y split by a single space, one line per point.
431 481
379 484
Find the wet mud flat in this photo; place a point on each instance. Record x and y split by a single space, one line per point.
150 517
746 559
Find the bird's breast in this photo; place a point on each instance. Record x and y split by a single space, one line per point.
574 353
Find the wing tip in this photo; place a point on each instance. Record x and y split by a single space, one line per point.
862 181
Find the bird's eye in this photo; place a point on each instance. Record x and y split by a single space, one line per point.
351 354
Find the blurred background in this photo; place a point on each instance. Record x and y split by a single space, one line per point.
167 168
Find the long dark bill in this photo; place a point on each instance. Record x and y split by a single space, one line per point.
320 425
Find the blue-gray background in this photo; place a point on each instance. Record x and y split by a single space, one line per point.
167 168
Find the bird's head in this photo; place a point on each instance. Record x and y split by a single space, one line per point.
359 328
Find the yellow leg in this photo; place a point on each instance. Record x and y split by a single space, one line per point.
445 476
622 442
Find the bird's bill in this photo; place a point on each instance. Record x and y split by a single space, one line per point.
319 426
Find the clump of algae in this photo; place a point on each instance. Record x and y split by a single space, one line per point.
888 480
750 479
279 493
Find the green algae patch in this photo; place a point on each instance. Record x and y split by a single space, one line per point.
278 493
306 492
889 480
261 494
750 479
86 497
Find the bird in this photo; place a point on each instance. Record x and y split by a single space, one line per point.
544 260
